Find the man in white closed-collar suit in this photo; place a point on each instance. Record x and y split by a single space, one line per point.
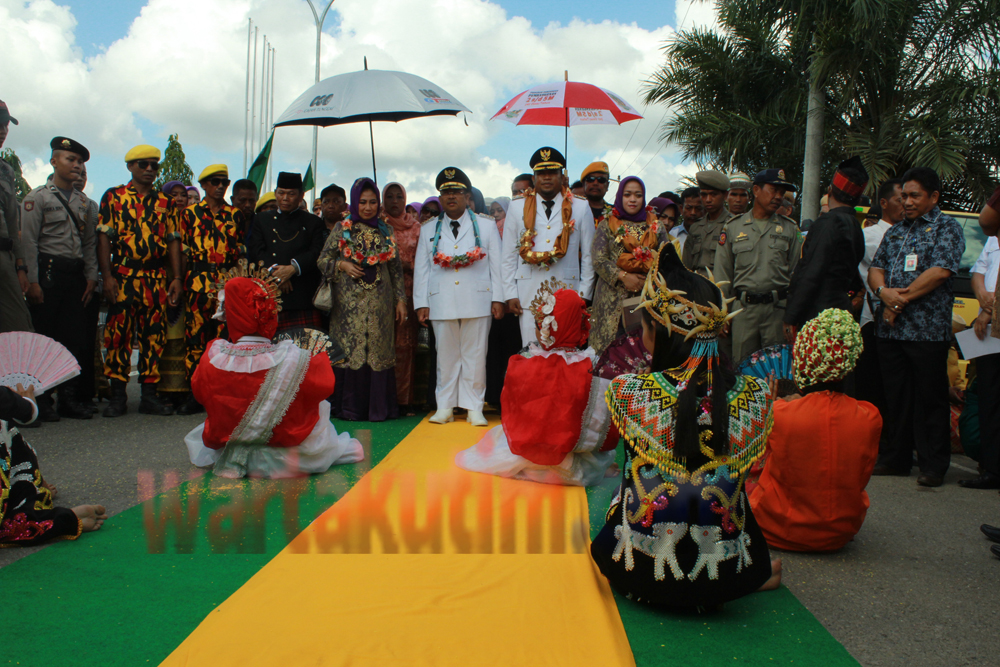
563 228
457 286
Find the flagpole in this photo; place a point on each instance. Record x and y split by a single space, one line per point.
319 19
253 94
246 101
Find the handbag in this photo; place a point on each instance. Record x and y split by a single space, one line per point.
323 299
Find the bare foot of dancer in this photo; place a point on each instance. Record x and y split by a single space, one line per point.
613 470
775 580
51 487
91 517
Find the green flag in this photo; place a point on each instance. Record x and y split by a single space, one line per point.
259 167
309 182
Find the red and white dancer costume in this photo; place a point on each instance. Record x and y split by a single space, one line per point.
267 413
556 427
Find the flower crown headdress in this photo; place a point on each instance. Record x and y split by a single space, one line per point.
255 272
543 308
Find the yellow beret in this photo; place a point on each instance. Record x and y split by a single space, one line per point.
143 152
212 170
264 198
593 167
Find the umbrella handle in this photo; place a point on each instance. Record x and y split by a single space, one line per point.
371 134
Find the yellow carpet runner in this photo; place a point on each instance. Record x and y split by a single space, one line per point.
422 563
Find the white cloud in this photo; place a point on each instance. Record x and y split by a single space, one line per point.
695 14
188 76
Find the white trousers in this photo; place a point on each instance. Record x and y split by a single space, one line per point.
461 362
526 290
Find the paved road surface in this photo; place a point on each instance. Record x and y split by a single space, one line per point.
917 587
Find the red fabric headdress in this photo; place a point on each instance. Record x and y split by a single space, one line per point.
561 316
250 309
249 300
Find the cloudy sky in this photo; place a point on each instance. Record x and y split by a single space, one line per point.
115 73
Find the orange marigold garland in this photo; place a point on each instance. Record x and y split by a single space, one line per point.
527 241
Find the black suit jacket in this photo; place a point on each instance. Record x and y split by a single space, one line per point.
828 269
279 238
14 407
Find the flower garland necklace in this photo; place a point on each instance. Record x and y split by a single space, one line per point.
350 247
457 261
527 242
637 251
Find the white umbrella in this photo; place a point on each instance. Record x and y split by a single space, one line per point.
370 95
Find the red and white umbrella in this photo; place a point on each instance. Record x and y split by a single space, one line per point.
567 104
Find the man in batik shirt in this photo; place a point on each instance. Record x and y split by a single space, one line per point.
912 275
211 231
136 233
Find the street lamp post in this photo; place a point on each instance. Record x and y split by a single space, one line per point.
319 18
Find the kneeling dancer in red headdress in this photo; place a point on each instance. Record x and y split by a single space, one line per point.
267 416
556 427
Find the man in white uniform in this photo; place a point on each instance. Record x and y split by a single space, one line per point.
562 226
457 286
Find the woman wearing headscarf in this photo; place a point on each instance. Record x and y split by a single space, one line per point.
406 229
505 333
173 372
430 209
361 262
680 532
624 246
498 209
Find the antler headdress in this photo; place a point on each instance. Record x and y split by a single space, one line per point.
682 316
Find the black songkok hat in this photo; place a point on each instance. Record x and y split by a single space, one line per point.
547 158
452 178
851 177
67 144
289 181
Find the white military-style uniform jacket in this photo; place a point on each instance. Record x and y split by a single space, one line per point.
576 268
455 294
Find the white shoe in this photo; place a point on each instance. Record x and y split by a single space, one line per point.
476 418
443 416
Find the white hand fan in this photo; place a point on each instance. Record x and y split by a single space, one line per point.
34 360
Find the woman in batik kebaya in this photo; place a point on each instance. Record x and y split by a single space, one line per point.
680 532
361 261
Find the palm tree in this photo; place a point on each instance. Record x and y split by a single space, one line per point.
904 83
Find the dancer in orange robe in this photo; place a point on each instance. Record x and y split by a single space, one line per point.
811 495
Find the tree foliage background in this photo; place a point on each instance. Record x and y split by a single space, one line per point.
173 166
10 157
906 83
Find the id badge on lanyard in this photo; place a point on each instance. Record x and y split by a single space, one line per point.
910 263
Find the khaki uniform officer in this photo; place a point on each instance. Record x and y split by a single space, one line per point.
60 250
13 277
703 234
756 254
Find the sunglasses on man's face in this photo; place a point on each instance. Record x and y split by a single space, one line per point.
148 164
596 179
218 181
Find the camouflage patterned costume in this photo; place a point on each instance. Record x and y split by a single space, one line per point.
138 229
213 242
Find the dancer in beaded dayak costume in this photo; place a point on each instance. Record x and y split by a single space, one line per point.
680 532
